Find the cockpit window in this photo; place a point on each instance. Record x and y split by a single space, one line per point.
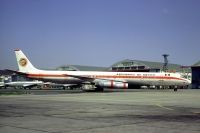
186 76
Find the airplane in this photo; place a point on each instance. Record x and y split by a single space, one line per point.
98 80
2 84
22 84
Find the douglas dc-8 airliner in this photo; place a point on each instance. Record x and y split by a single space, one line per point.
93 80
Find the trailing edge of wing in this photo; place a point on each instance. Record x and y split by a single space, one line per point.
91 79
87 78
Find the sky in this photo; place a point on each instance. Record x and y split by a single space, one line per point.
99 32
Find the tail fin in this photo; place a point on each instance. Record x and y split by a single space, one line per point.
23 62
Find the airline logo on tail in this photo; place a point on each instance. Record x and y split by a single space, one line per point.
23 62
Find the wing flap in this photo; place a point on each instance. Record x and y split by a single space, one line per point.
91 79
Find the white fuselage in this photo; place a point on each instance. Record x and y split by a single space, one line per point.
135 78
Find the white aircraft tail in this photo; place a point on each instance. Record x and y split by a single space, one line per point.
23 62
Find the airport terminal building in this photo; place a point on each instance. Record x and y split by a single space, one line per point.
142 66
127 65
196 75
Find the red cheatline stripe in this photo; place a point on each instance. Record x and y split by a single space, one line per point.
47 75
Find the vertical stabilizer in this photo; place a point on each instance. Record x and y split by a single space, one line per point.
23 62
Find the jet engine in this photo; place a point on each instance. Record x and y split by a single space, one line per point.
112 84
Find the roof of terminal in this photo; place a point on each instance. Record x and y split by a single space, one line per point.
81 68
197 64
147 64
123 63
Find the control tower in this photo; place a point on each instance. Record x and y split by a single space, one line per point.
165 64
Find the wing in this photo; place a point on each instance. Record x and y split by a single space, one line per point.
84 78
30 85
92 78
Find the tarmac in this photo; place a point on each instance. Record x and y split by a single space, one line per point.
132 111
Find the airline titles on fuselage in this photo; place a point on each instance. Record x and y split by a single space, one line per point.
129 74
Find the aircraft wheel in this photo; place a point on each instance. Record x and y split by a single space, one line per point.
99 89
175 88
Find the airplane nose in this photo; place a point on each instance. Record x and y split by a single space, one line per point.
188 82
